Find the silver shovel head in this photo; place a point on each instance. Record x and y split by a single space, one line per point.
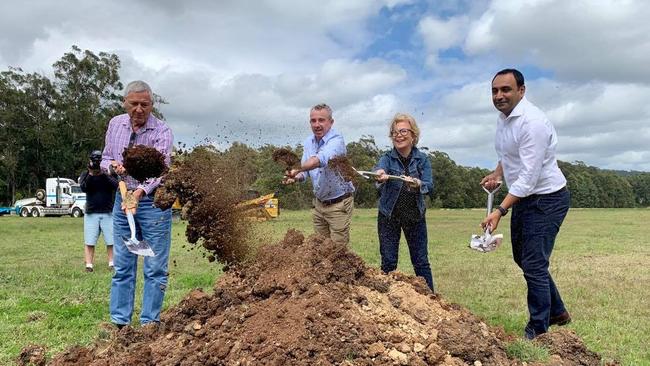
135 246
138 247
485 243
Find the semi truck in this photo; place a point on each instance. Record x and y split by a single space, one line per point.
61 196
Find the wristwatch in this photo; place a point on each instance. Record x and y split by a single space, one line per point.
504 211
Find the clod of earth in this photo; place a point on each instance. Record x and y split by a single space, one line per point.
342 165
314 302
286 158
143 162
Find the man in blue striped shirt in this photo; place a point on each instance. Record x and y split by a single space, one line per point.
333 200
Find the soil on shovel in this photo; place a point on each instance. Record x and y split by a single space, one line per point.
342 165
143 162
286 158
314 302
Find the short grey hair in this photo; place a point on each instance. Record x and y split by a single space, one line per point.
138 86
319 107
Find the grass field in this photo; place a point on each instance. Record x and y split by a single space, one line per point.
600 264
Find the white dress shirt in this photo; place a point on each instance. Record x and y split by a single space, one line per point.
525 144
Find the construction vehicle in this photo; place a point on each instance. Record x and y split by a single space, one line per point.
260 208
61 196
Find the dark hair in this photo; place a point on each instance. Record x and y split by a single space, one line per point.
519 77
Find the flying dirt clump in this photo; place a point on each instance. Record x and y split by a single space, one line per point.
312 302
342 165
286 158
209 189
143 162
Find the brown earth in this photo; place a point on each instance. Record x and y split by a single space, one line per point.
314 302
286 158
209 190
143 162
343 166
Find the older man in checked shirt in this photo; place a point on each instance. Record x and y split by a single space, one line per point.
138 127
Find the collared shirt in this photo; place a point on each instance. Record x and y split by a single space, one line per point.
327 183
525 144
155 133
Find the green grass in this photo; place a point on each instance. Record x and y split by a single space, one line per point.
600 264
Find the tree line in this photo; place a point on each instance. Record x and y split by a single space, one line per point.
49 125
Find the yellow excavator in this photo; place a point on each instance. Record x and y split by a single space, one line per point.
260 208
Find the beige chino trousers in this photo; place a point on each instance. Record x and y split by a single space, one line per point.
333 221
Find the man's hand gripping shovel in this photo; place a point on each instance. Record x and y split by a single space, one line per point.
135 246
487 242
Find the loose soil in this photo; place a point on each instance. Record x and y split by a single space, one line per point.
286 158
313 302
343 166
143 162
209 191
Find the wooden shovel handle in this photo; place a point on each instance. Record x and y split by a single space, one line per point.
122 187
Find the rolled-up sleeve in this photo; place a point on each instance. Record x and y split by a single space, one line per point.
163 143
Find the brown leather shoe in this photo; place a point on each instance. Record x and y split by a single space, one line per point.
561 319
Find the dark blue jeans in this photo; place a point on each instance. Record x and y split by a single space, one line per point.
535 222
390 231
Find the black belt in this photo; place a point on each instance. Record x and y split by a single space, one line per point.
335 200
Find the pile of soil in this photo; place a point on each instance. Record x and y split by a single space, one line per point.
313 302
286 158
209 190
143 162
343 166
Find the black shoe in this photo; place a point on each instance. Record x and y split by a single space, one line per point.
561 319
89 269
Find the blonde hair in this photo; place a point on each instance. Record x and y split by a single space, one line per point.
403 117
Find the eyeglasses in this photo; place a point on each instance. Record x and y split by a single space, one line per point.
401 132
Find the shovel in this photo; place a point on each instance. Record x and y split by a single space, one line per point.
367 174
487 242
135 246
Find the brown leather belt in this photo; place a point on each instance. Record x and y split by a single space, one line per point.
335 200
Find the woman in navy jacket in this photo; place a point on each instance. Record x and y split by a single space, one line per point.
401 202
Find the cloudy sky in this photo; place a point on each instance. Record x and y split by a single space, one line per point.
250 70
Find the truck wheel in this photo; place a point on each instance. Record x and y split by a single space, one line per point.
24 212
40 195
36 212
76 212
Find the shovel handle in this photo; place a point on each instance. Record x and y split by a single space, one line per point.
122 187
129 218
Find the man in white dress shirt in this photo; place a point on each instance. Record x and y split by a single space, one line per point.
537 195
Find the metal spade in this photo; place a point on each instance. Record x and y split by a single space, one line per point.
135 246
487 242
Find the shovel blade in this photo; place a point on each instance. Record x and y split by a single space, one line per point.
485 243
139 247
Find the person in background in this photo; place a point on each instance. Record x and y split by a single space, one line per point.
138 126
100 192
537 195
401 203
333 197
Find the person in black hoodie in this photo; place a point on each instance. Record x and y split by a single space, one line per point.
100 193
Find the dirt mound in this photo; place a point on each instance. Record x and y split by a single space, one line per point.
310 302
142 162
209 190
286 158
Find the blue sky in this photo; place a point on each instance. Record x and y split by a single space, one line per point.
250 71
